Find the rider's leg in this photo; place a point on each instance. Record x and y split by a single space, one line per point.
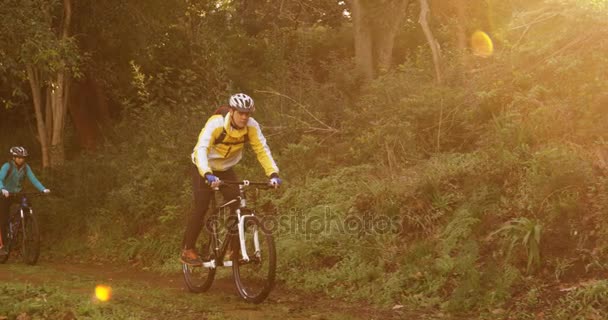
229 192
4 215
202 196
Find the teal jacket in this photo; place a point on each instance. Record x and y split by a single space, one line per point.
13 183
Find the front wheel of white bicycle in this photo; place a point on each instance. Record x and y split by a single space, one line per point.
255 271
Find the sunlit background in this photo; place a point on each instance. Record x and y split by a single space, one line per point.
484 139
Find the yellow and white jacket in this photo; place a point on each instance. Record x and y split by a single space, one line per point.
209 156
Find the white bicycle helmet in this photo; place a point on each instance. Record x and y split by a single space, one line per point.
242 102
18 152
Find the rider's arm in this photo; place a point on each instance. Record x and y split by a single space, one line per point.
3 172
260 147
33 179
213 128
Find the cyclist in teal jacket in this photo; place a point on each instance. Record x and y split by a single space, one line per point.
12 174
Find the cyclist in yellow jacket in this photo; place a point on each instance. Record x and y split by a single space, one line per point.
219 148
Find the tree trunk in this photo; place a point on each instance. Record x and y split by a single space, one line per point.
461 15
375 27
34 80
103 107
51 123
363 41
59 99
462 34
48 113
424 12
385 32
59 96
88 113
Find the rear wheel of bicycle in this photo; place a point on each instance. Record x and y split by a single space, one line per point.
30 240
255 278
199 278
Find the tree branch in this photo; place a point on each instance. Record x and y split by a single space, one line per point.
303 107
424 11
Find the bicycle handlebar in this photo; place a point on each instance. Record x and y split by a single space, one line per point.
245 183
21 194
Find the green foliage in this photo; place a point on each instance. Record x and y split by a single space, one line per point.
527 233
555 173
469 176
30 37
457 230
585 302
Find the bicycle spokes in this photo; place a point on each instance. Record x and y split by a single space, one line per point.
198 278
30 245
254 270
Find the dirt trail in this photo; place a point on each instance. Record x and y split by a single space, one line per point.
281 304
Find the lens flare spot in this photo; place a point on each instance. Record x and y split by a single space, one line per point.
103 292
481 44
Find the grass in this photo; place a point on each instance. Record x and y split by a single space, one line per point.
75 296
60 291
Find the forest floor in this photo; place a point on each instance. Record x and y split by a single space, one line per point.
60 290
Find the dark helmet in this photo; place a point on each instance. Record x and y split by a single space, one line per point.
18 152
242 102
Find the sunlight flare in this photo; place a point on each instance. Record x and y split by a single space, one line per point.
481 44
103 293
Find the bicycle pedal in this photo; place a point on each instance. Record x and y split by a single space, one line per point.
228 263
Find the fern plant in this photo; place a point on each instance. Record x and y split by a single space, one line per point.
525 231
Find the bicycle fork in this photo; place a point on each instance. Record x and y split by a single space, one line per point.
14 226
256 240
23 213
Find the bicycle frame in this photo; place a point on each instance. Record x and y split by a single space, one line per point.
24 205
23 209
22 228
242 218
253 268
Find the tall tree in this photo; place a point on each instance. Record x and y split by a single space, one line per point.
36 37
375 27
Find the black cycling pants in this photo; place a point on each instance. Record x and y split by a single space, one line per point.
202 197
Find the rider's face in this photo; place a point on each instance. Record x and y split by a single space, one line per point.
19 160
239 119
